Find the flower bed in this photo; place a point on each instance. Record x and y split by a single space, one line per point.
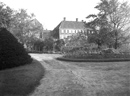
90 56
93 60
96 56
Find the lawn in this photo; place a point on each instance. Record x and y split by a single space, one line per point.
21 80
84 79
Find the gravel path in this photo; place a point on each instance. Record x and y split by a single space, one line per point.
70 79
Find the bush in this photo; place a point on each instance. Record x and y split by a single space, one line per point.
125 48
107 51
12 53
81 54
69 49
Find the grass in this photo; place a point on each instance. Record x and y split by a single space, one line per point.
84 79
22 80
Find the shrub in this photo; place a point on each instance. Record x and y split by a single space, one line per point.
12 53
125 48
81 54
107 51
110 51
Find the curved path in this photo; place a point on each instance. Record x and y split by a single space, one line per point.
82 79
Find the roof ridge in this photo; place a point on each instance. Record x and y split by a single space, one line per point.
72 24
74 21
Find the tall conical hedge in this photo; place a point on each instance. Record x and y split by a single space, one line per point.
12 53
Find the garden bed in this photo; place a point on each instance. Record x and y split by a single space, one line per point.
95 57
93 60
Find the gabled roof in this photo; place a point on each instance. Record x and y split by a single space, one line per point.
72 25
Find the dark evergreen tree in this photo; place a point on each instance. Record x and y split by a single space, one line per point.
12 53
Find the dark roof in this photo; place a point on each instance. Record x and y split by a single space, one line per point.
72 25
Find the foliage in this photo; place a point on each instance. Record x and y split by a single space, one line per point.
74 42
77 40
110 51
25 26
38 45
115 17
125 48
5 15
48 42
81 54
102 38
58 44
12 53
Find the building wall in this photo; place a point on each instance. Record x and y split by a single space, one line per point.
64 33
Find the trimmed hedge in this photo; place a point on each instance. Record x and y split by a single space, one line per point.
96 56
93 60
12 53
88 56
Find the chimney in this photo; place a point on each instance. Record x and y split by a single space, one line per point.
76 19
82 20
64 19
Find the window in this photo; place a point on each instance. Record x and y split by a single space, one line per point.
67 31
64 31
72 31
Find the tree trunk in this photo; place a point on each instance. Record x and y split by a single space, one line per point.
116 41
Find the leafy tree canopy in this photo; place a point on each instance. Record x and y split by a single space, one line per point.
114 17
5 15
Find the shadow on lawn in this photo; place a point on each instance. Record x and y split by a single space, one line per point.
21 81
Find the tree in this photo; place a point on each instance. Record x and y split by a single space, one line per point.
103 37
25 27
58 44
77 40
48 44
5 15
114 16
38 45
19 24
12 53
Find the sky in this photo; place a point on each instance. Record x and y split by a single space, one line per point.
51 12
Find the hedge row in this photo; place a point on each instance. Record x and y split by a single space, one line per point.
93 60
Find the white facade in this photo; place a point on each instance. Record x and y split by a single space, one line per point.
64 33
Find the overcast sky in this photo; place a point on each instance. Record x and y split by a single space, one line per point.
51 12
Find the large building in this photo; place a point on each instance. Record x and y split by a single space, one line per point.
68 28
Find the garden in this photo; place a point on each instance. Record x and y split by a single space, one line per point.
79 48
81 55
